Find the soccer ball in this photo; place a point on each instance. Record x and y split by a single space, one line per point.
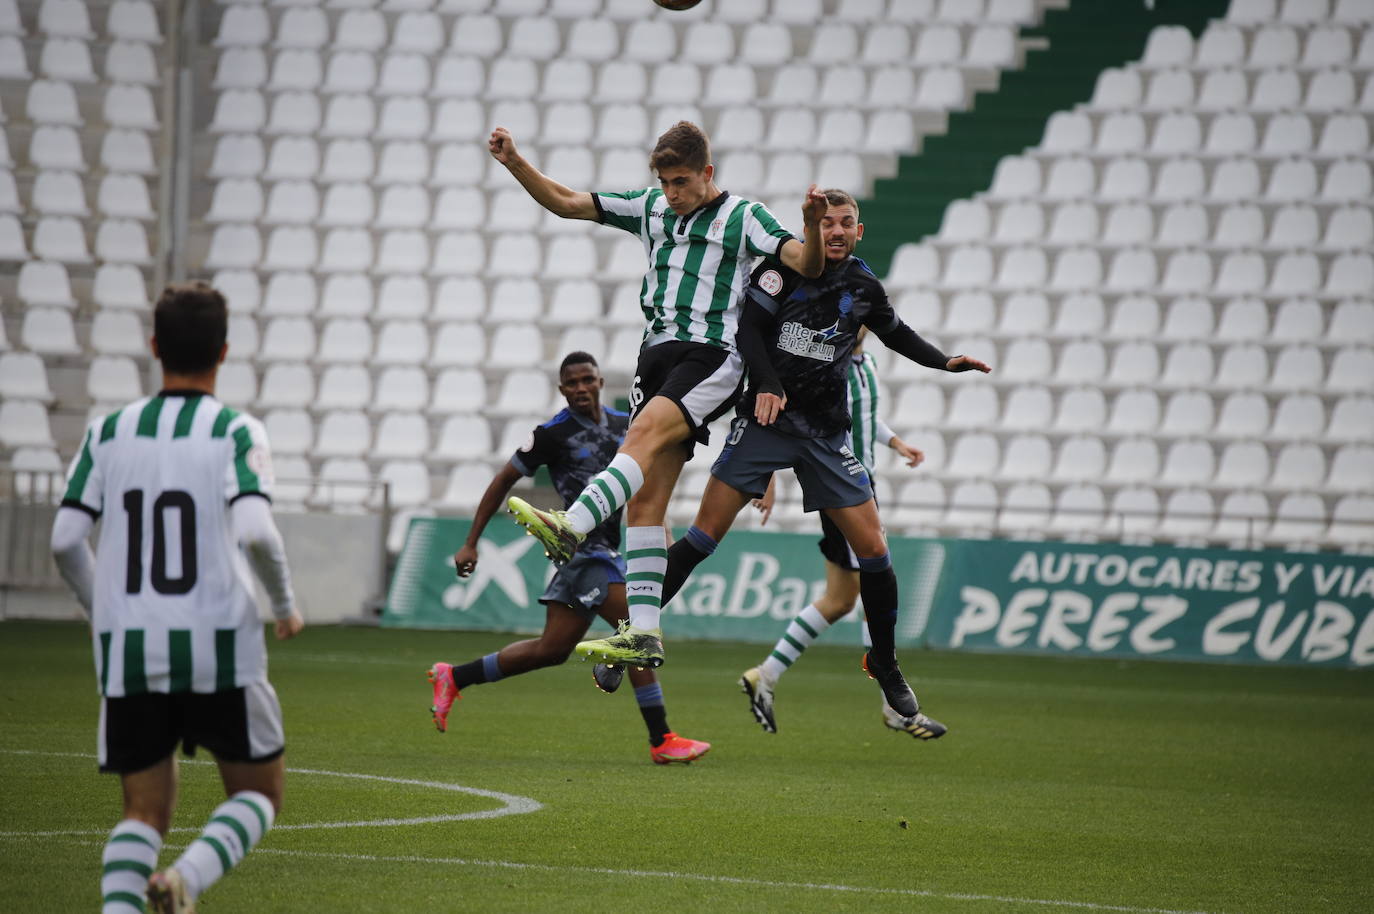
677 4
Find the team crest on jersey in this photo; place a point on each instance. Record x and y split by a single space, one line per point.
771 282
260 462
716 228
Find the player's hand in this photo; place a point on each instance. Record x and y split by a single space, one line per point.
764 505
502 146
767 407
465 561
289 627
814 206
913 456
967 363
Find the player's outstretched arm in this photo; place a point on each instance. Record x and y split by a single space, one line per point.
72 553
967 363
257 533
465 559
548 193
904 341
808 257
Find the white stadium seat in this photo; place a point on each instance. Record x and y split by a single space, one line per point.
24 423
23 377
1188 515
344 387
347 340
287 386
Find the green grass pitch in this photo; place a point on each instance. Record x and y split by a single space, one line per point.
1063 786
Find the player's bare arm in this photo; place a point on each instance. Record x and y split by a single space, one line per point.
493 499
548 193
808 258
912 456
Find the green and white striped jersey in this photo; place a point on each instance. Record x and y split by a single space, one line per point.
863 409
173 605
699 264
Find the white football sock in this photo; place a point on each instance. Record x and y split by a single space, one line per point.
130 858
234 829
606 494
801 631
646 560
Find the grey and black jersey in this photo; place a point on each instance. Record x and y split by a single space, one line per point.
815 327
575 449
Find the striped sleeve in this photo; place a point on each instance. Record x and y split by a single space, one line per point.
763 234
84 489
250 469
626 211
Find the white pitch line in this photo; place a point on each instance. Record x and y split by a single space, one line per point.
513 804
517 805
730 880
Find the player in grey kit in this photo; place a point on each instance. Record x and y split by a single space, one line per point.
796 336
575 445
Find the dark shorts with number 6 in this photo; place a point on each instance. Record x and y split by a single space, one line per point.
236 725
704 381
829 473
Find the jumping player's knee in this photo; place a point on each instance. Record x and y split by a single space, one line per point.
871 563
654 430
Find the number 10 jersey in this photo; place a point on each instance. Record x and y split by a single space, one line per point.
173 604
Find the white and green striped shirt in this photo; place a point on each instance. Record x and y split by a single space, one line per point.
866 428
173 605
699 264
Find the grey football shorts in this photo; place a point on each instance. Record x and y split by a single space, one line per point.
829 473
585 582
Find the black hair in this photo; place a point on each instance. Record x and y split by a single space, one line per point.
578 357
190 321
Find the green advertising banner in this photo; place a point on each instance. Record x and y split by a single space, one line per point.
1133 601
747 591
1067 599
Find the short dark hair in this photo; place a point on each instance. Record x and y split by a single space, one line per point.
190 321
836 197
577 357
683 144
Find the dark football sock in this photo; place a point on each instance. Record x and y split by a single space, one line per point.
684 556
878 588
476 672
650 698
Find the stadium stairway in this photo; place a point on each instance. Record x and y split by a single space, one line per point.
1081 40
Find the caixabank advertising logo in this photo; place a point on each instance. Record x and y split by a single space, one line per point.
752 585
